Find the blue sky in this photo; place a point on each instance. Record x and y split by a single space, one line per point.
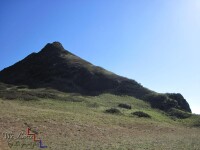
152 41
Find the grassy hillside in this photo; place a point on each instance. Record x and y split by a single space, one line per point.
56 68
71 121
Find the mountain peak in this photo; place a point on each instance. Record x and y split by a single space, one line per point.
55 47
57 44
54 67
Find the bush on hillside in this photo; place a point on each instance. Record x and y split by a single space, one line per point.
179 113
141 114
11 95
113 111
126 106
45 95
8 96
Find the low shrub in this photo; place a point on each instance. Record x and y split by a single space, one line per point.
126 106
179 114
27 97
44 95
113 111
11 95
141 114
8 96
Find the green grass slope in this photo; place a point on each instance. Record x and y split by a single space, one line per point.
73 121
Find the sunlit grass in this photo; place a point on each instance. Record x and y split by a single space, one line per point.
70 124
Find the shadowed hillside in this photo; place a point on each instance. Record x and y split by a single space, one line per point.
54 67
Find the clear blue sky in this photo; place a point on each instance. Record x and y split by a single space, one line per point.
155 42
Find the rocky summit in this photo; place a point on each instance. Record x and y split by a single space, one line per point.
56 68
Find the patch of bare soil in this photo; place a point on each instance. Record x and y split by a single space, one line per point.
3 144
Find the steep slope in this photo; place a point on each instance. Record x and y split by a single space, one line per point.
54 67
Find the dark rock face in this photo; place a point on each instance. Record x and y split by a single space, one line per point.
161 101
57 68
182 103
